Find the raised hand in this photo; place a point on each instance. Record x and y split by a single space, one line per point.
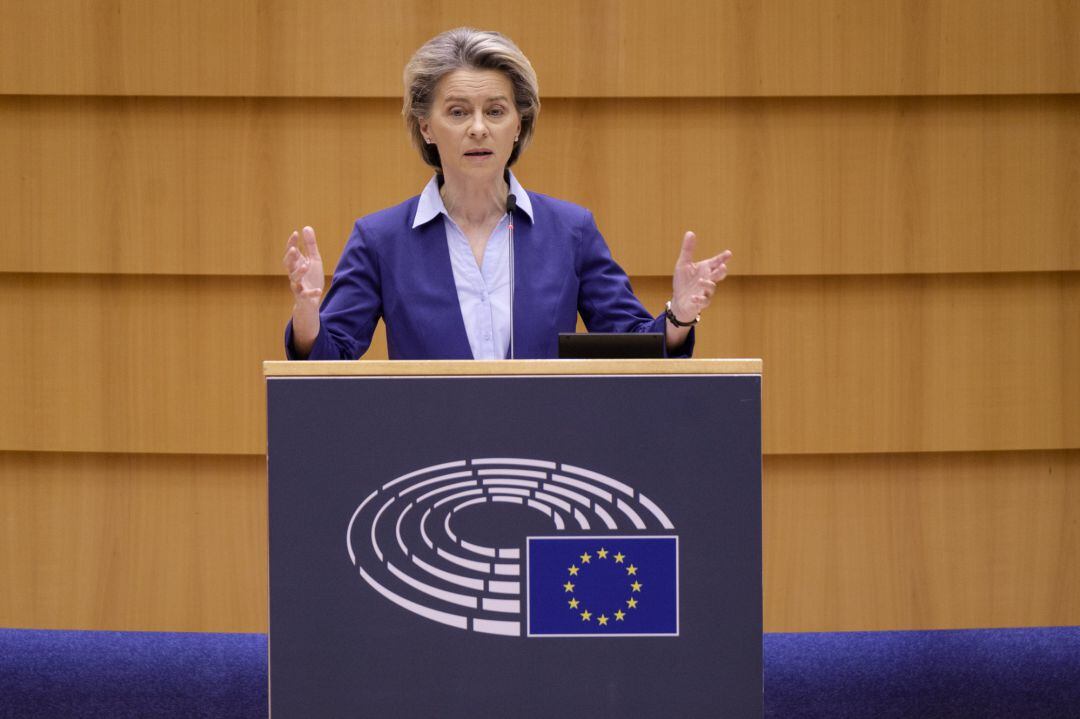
307 280
694 283
305 268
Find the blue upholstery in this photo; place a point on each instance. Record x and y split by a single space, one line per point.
1014 673
131 674
985 673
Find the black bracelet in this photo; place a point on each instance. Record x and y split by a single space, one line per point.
675 320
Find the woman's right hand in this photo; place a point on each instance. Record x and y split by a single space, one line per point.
306 278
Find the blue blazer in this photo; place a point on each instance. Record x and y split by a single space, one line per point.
391 270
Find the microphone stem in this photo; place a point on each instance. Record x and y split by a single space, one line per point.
511 232
511 205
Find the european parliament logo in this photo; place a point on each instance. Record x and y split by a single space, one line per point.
608 566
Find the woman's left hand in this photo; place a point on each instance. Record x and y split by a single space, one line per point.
694 283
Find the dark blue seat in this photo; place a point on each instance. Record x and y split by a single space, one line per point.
1006 673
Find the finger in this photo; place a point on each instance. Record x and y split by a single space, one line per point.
294 242
302 292
718 260
719 273
310 247
291 259
686 253
299 271
290 247
718 265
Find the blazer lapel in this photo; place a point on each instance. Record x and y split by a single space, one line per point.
528 271
441 307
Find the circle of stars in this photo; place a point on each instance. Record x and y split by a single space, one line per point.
574 571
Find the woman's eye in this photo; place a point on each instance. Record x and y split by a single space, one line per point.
457 112
496 112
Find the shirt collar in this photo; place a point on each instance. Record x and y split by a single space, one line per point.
431 205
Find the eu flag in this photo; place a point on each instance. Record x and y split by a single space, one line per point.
603 586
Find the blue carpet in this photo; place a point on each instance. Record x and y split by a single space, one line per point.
990 674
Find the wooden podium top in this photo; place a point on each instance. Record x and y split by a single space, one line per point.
444 368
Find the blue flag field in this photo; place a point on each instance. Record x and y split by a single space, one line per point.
603 586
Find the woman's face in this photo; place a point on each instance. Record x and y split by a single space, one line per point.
474 123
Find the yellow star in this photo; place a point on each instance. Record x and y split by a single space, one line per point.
601 620
619 614
568 587
585 558
619 557
573 603
602 553
631 569
586 615
636 586
573 571
632 603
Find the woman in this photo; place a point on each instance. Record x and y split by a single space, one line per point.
436 267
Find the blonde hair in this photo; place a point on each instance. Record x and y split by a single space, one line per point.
467 48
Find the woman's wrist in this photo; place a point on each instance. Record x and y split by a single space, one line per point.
679 316
305 325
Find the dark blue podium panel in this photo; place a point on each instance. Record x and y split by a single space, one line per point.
557 546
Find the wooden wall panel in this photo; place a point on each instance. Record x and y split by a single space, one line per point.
824 185
194 186
141 364
127 542
905 364
852 364
580 48
793 186
921 541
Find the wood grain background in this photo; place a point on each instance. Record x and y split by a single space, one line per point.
898 180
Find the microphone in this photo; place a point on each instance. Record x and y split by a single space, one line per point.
511 205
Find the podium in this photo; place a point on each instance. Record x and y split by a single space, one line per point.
570 538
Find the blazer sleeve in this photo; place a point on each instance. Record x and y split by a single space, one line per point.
352 306
606 300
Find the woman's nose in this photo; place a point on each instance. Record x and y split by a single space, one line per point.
478 128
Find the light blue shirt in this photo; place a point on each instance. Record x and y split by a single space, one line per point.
483 291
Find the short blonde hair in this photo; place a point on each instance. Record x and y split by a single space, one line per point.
467 48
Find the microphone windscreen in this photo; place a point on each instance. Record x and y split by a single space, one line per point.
511 202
